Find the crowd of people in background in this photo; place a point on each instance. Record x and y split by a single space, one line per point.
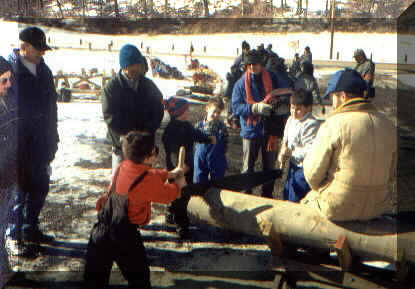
340 167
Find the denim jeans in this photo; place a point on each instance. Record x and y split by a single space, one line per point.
28 203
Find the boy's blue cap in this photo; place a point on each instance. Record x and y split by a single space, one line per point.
129 55
347 80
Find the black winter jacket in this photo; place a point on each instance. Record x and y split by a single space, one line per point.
37 112
181 133
125 109
8 142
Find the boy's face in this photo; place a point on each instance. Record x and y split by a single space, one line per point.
298 111
213 112
184 115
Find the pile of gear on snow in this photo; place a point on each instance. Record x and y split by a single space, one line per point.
161 69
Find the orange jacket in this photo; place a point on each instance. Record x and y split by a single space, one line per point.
153 188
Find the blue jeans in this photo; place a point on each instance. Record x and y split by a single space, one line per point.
296 186
28 202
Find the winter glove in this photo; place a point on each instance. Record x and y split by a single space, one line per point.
261 109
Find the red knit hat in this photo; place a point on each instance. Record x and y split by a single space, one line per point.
176 106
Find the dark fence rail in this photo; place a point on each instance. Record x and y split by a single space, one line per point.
161 25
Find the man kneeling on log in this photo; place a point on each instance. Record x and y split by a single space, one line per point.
353 158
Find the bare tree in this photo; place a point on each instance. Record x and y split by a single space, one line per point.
299 7
327 6
60 8
206 7
306 8
242 7
150 7
116 9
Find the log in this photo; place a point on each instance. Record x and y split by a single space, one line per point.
288 222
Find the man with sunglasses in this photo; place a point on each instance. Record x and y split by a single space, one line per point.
38 137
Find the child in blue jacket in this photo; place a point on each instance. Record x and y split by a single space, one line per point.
210 159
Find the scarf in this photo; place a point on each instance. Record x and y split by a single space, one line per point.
266 80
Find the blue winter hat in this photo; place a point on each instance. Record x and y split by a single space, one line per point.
129 55
347 80
176 106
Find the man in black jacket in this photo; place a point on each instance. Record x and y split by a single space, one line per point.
38 137
131 101
8 164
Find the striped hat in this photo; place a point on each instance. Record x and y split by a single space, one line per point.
176 106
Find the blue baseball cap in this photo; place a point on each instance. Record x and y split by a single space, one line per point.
347 80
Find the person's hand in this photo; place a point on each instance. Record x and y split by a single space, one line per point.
212 139
272 143
261 108
181 182
176 173
283 158
186 169
101 201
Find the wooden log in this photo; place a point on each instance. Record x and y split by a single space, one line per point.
301 225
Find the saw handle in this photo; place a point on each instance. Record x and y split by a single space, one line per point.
181 158
180 164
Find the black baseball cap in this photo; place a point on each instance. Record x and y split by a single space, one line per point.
34 36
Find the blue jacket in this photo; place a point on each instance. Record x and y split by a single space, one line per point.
242 109
214 153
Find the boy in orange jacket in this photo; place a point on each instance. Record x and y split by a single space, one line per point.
116 235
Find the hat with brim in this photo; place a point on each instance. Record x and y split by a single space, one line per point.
347 80
253 57
34 36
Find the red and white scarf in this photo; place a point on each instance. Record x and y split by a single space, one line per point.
266 80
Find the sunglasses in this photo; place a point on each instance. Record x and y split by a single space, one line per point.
5 80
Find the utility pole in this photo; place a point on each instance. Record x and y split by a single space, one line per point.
333 15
